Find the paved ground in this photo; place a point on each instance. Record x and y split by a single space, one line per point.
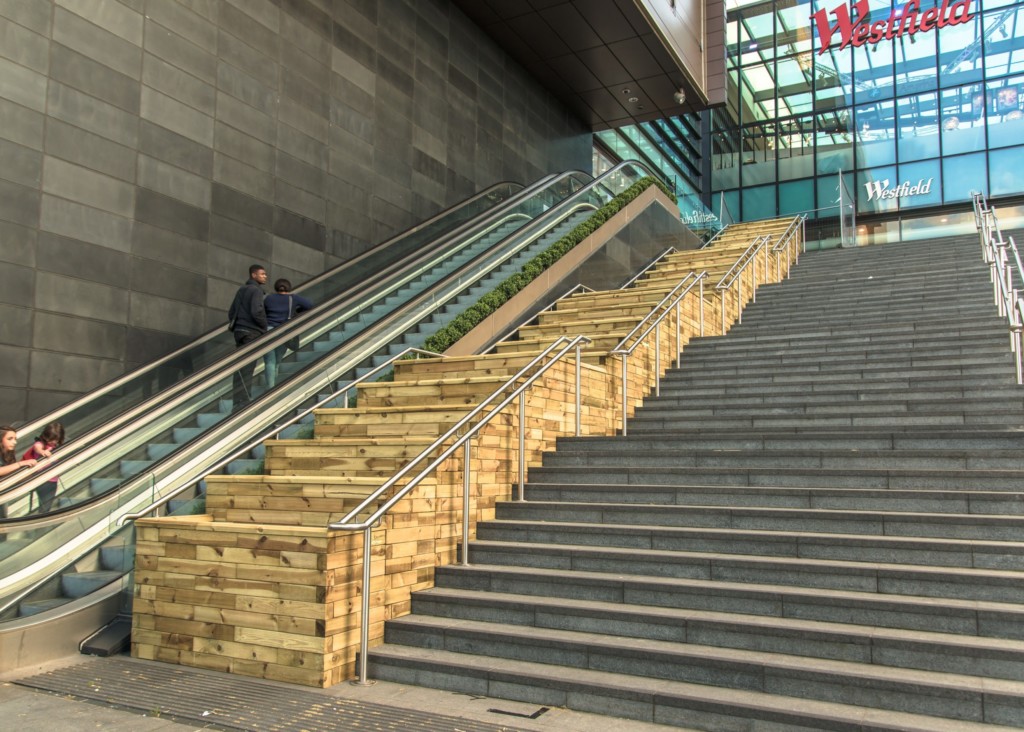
121 693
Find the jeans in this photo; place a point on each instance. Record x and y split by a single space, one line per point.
270 361
242 380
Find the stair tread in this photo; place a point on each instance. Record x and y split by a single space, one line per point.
770 707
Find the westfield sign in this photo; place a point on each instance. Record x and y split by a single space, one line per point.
906 21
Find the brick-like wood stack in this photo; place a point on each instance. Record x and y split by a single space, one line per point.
258 586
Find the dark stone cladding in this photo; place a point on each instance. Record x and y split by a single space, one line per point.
150 157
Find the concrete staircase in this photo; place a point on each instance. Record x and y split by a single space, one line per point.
818 524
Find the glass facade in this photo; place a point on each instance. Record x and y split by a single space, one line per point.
917 110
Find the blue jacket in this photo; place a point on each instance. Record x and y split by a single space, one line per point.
276 306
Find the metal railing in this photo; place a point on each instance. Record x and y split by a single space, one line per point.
735 275
468 429
1002 256
783 245
652 321
341 395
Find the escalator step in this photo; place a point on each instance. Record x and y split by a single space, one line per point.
160 449
34 607
80 584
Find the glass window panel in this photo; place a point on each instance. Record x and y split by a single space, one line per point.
876 135
963 120
758 155
1004 170
725 162
827 187
960 53
758 203
732 205
873 63
1004 42
796 148
961 175
872 186
834 141
796 197
917 127
915 60
1005 118
925 176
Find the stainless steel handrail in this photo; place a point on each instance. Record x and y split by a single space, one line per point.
667 304
348 523
735 274
783 245
38 423
274 432
650 265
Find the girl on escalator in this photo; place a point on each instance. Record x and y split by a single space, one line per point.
9 462
49 440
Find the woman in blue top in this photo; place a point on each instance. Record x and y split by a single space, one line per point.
281 307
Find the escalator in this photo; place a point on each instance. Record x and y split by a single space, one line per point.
160 430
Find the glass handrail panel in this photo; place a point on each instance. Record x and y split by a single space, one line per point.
123 462
102 405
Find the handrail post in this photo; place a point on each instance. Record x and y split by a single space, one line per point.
657 360
679 334
625 381
522 444
467 453
364 621
579 416
701 307
739 300
721 298
753 278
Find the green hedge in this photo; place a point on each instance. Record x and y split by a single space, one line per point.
443 339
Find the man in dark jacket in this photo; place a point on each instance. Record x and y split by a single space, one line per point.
247 320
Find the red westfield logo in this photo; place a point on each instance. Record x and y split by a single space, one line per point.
907 21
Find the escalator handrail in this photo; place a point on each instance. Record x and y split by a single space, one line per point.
230 361
39 423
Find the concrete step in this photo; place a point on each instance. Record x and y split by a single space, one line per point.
963 553
952 695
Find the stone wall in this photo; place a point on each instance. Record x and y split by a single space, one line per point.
154 148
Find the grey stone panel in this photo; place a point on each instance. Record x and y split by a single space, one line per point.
242 56
70 334
53 371
242 117
76 220
300 145
205 8
311 125
297 201
396 106
174 182
152 242
75 258
113 17
307 232
174 115
32 15
18 204
177 84
240 207
78 71
15 370
19 244
145 345
354 45
59 294
94 42
255 243
79 146
299 259
299 89
21 125
349 193
24 47
92 114
228 270
22 85
187 24
296 57
243 177
244 148
163 144
12 402
167 213
246 88
262 11
247 29
163 314
67 180
20 164
429 167
164 280
300 174
180 52
308 14
352 79
16 325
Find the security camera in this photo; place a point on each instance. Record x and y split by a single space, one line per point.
679 96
